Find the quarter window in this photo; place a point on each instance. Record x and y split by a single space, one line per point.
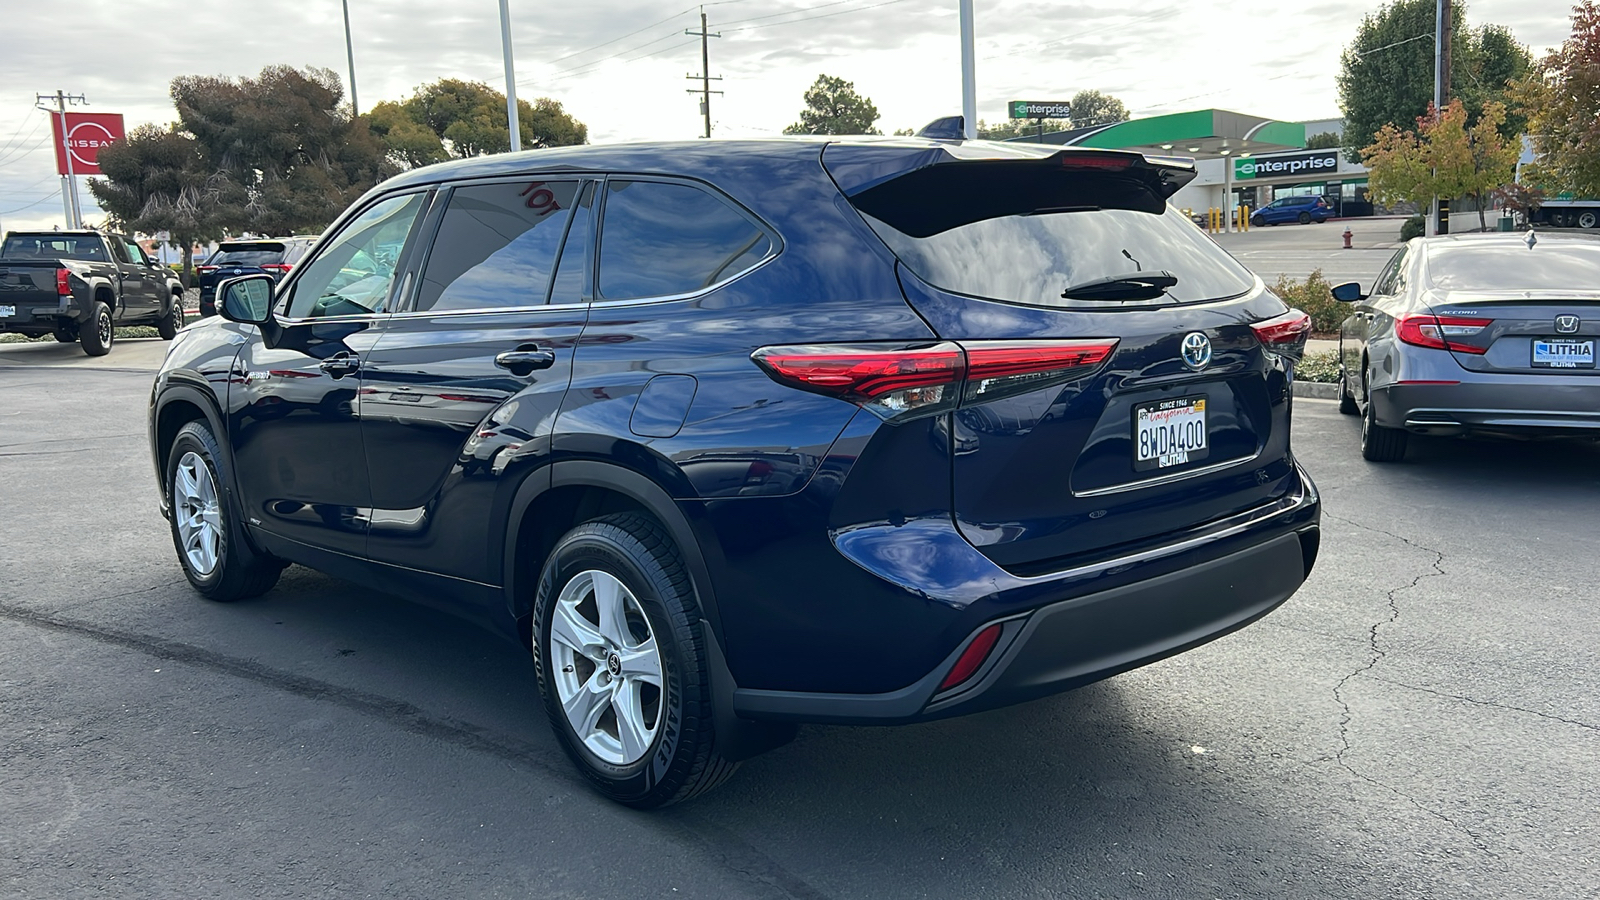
354 272
659 239
496 245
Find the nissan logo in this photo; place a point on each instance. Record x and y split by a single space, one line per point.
1567 324
1196 350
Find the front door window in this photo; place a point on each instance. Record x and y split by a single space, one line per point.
354 273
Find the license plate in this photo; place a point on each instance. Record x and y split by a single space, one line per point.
8 310
1169 433
1556 354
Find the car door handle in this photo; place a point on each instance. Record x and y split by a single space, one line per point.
525 359
341 365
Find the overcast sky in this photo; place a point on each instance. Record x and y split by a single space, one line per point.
619 65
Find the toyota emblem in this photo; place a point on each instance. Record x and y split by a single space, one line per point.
1567 324
1196 350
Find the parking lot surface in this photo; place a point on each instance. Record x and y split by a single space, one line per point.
1295 250
1421 720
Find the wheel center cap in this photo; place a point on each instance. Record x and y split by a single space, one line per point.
613 664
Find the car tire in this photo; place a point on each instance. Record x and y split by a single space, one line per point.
97 335
67 333
206 533
665 751
1305 218
1257 221
1347 400
172 321
1588 219
1380 444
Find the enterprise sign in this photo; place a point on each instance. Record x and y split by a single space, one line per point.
1040 109
1315 162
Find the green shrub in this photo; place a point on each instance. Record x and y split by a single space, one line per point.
1314 297
1321 368
1413 227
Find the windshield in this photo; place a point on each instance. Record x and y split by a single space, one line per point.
1552 265
33 246
1033 259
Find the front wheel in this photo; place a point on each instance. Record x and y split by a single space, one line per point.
1588 219
1257 221
211 547
622 670
97 334
1347 400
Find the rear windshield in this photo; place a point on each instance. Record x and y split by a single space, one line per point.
249 255
1032 258
1549 266
24 246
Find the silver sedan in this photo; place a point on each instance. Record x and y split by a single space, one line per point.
1476 334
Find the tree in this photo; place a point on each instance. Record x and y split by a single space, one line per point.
284 145
1095 108
1011 128
155 180
454 119
1386 73
1562 99
1327 140
834 107
1444 157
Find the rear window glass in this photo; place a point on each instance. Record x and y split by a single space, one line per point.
247 255
1033 258
659 239
497 245
1550 266
88 249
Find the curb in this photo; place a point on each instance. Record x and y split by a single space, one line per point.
1316 391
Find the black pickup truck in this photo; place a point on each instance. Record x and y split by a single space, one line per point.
80 285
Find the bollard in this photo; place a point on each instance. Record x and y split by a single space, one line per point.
1347 237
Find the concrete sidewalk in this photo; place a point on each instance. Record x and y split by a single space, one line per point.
142 354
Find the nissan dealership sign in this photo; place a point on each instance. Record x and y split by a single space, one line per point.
1288 165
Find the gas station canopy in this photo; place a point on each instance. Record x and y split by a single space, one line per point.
1202 134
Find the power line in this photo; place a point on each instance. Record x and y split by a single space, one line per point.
788 12
13 142
20 153
589 67
51 196
842 12
678 14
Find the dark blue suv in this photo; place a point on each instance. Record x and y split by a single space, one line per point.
738 435
1304 210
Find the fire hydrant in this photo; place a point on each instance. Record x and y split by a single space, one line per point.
1347 237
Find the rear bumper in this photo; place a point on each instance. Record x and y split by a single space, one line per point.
1552 405
34 316
1072 637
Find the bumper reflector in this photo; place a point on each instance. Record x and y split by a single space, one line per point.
972 658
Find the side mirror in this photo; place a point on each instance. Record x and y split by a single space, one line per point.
1349 292
247 299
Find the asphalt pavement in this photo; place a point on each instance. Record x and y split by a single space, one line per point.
1421 720
1296 250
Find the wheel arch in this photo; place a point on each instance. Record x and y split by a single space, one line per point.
175 407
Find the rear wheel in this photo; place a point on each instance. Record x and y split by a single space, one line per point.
216 559
622 670
97 334
172 321
1305 218
1588 219
1380 444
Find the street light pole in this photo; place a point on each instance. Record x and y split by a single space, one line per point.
969 79
350 56
511 78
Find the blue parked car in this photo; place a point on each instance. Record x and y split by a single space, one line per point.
1304 210
735 435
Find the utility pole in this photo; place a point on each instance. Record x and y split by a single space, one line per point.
1441 91
704 90
69 182
512 121
350 55
969 80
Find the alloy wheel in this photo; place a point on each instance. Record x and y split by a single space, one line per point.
102 327
197 512
606 667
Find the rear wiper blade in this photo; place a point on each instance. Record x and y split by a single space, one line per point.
1127 286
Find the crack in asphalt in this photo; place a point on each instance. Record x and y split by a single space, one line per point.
1506 706
733 853
1376 654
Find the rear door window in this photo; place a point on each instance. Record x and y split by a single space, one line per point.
661 239
496 245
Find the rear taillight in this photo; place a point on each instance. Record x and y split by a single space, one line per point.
281 270
971 659
1440 332
63 283
1284 335
205 269
897 382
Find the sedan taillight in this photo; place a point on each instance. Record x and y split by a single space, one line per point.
908 381
1425 330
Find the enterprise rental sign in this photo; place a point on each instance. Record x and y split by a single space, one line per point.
1316 162
1039 109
